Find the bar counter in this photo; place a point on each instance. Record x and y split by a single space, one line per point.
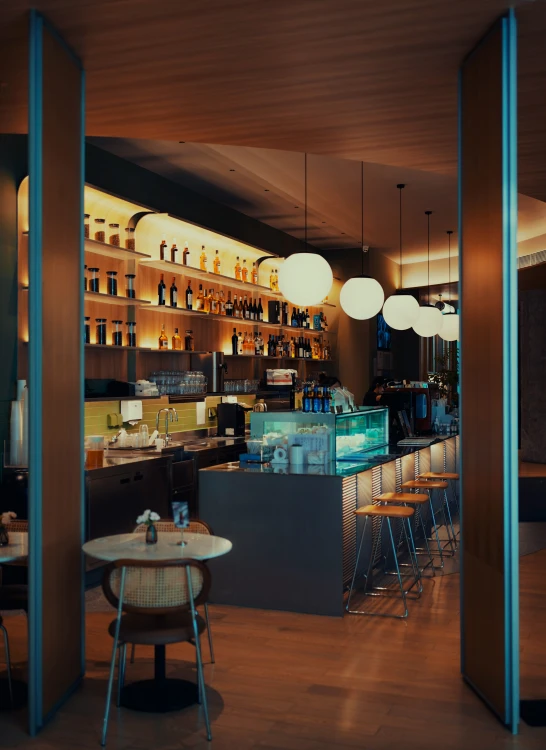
294 530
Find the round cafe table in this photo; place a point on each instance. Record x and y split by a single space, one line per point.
160 694
15 551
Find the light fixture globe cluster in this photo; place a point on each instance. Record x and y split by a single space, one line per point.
305 279
429 321
450 327
401 311
361 297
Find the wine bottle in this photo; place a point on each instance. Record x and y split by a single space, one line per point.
189 296
294 319
285 313
246 313
257 345
161 292
174 293
186 255
229 306
177 341
162 250
216 263
174 250
307 319
163 340
301 353
260 311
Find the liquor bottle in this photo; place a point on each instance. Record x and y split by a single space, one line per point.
234 343
161 292
324 323
254 273
326 400
203 259
235 307
253 310
163 340
269 345
294 319
260 311
276 281
244 272
246 312
221 304
239 343
307 318
272 281
293 393
206 302
213 304
189 296
229 306
237 269
261 343
188 341
186 255
200 301
174 293
309 349
245 344
306 401
292 348
257 344
216 263
174 250
301 351
284 319
162 250
317 399
177 341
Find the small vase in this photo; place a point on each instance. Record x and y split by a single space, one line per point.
4 536
151 534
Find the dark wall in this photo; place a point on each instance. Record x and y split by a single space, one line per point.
13 168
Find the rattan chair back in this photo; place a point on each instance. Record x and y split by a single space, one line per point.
167 525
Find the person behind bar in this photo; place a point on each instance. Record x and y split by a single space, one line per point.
373 396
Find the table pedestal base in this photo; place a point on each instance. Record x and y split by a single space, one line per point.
19 695
159 696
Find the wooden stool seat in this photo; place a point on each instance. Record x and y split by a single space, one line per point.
394 511
439 475
402 497
428 484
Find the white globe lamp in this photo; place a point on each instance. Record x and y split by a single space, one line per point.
429 321
305 279
361 297
450 327
401 311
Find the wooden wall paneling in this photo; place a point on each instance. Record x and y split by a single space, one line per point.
488 220
55 372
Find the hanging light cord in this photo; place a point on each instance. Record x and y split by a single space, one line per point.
305 196
449 233
428 266
362 213
400 187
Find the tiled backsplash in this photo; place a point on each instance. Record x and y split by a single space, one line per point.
96 413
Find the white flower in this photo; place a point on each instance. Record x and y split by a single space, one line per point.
154 516
148 517
6 517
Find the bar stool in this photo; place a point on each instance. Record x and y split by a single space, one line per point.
416 499
451 477
429 485
389 513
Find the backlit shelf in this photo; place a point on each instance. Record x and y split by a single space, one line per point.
114 299
112 251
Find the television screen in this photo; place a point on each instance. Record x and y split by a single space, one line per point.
383 334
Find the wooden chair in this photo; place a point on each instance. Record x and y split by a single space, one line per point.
156 605
166 525
8 660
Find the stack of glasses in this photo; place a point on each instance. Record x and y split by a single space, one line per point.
184 383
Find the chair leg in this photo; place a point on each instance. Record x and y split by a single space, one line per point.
211 649
8 662
121 670
133 654
201 677
113 661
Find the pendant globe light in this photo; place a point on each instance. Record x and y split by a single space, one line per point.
362 297
450 327
305 279
401 310
430 319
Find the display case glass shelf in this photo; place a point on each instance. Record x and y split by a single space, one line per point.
113 299
112 251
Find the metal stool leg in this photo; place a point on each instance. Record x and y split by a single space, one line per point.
450 520
207 621
402 592
413 558
425 537
440 551
347 606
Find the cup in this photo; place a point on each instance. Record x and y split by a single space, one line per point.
144 436
95 452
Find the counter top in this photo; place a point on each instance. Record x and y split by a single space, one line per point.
128 457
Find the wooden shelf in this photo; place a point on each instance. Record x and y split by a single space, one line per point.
110 347
112 251
171 351
208 276
114 299
255 357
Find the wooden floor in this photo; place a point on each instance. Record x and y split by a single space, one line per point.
297 682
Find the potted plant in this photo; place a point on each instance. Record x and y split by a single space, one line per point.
5 520
149 517
446 378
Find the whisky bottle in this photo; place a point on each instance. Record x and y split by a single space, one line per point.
276 281
234 343
163 340
206 302
239 343
216 263
161 291
188 341
203 259
229 306
272 281
174 293
177 341
237 269
222 304
244 272
174 250
254 273
189 296
213 309
186 255
200 302
162 250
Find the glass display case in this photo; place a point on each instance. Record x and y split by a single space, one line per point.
324 437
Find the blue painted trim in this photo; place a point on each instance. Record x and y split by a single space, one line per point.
82 367
461 330
510 368
35 372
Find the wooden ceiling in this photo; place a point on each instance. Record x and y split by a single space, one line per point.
360 79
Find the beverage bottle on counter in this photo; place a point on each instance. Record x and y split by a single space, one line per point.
161 291
254 273
309 350
163 340
234 343
244 271
162 250
293 393
235 307
174 293
317 399
239 343
213 304
237 269
246 311
301 351
306 404
253 310
177 341
221 304
186 255
188 341
229 306
174 250
216 263
189 296
200 302
326 400
260 311
203 259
